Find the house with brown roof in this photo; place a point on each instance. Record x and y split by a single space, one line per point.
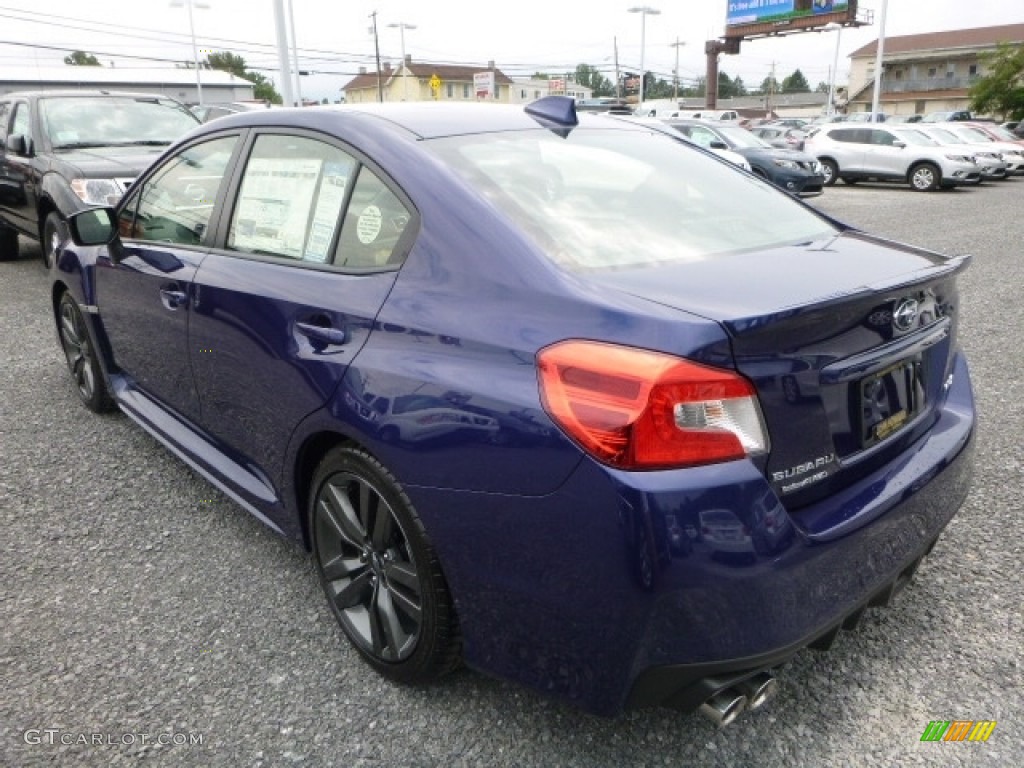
929 72
422 81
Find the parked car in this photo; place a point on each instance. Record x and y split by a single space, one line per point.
790 122
946 116
793 171
64 151
891 153
826 119
207 112
867 117
630 295
992 164
780 136
904 118
992 132
662 125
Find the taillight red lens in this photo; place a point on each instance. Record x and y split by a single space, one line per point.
636 409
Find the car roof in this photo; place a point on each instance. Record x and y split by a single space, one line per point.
83 93
428 120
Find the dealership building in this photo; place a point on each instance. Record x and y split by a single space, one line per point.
179 83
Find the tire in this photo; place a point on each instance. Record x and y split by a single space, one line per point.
830 171
8 244
924 177
55 232
850 181
81 357
380 574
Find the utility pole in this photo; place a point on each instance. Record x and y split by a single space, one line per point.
771 92
618 79
376 48
675 80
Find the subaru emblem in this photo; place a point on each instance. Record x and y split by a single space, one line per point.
905 316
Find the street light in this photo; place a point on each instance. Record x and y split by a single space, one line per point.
675 90
405 70
838 28
192 30
644 11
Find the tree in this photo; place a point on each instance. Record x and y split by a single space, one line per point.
822 87
263 87
739 88
796 83
82 59
591 78
769 84
1002 89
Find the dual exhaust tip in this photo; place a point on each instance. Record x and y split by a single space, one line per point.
725 706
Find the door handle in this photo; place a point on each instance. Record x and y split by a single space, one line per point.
172 298
323 334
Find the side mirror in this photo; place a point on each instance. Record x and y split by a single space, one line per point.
20 145
718 144
95 226
899 144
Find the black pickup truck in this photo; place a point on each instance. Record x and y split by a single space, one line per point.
62 151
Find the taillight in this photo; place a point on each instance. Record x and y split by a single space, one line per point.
636 409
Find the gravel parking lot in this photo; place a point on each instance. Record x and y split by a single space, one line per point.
140 605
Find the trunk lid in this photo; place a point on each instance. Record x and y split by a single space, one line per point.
849 342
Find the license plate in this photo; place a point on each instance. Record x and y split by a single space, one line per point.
889 400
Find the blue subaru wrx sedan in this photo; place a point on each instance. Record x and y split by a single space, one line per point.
561 398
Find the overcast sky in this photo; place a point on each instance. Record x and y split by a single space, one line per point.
520 36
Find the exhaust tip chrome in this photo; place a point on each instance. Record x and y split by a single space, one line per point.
758 689
724 707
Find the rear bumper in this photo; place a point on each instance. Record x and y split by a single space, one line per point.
585 594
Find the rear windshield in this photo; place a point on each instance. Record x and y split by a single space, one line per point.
82 121
606 199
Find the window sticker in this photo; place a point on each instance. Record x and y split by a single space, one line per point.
368 225
274 204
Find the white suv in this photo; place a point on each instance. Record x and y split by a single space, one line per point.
889 153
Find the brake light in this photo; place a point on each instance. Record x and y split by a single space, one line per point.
636 409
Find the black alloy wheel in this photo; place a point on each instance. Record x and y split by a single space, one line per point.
55 232
381 577
81 357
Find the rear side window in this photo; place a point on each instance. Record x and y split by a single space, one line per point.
849 135
291 198
305 200
375 222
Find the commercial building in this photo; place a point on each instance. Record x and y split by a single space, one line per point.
179 83
929 72
423 81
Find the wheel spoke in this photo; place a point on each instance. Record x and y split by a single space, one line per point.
403 574
405 604
382 524
368 500
395 636
340 567
337 508
377 637
355 592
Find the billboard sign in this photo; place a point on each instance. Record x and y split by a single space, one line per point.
483 84
739 12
